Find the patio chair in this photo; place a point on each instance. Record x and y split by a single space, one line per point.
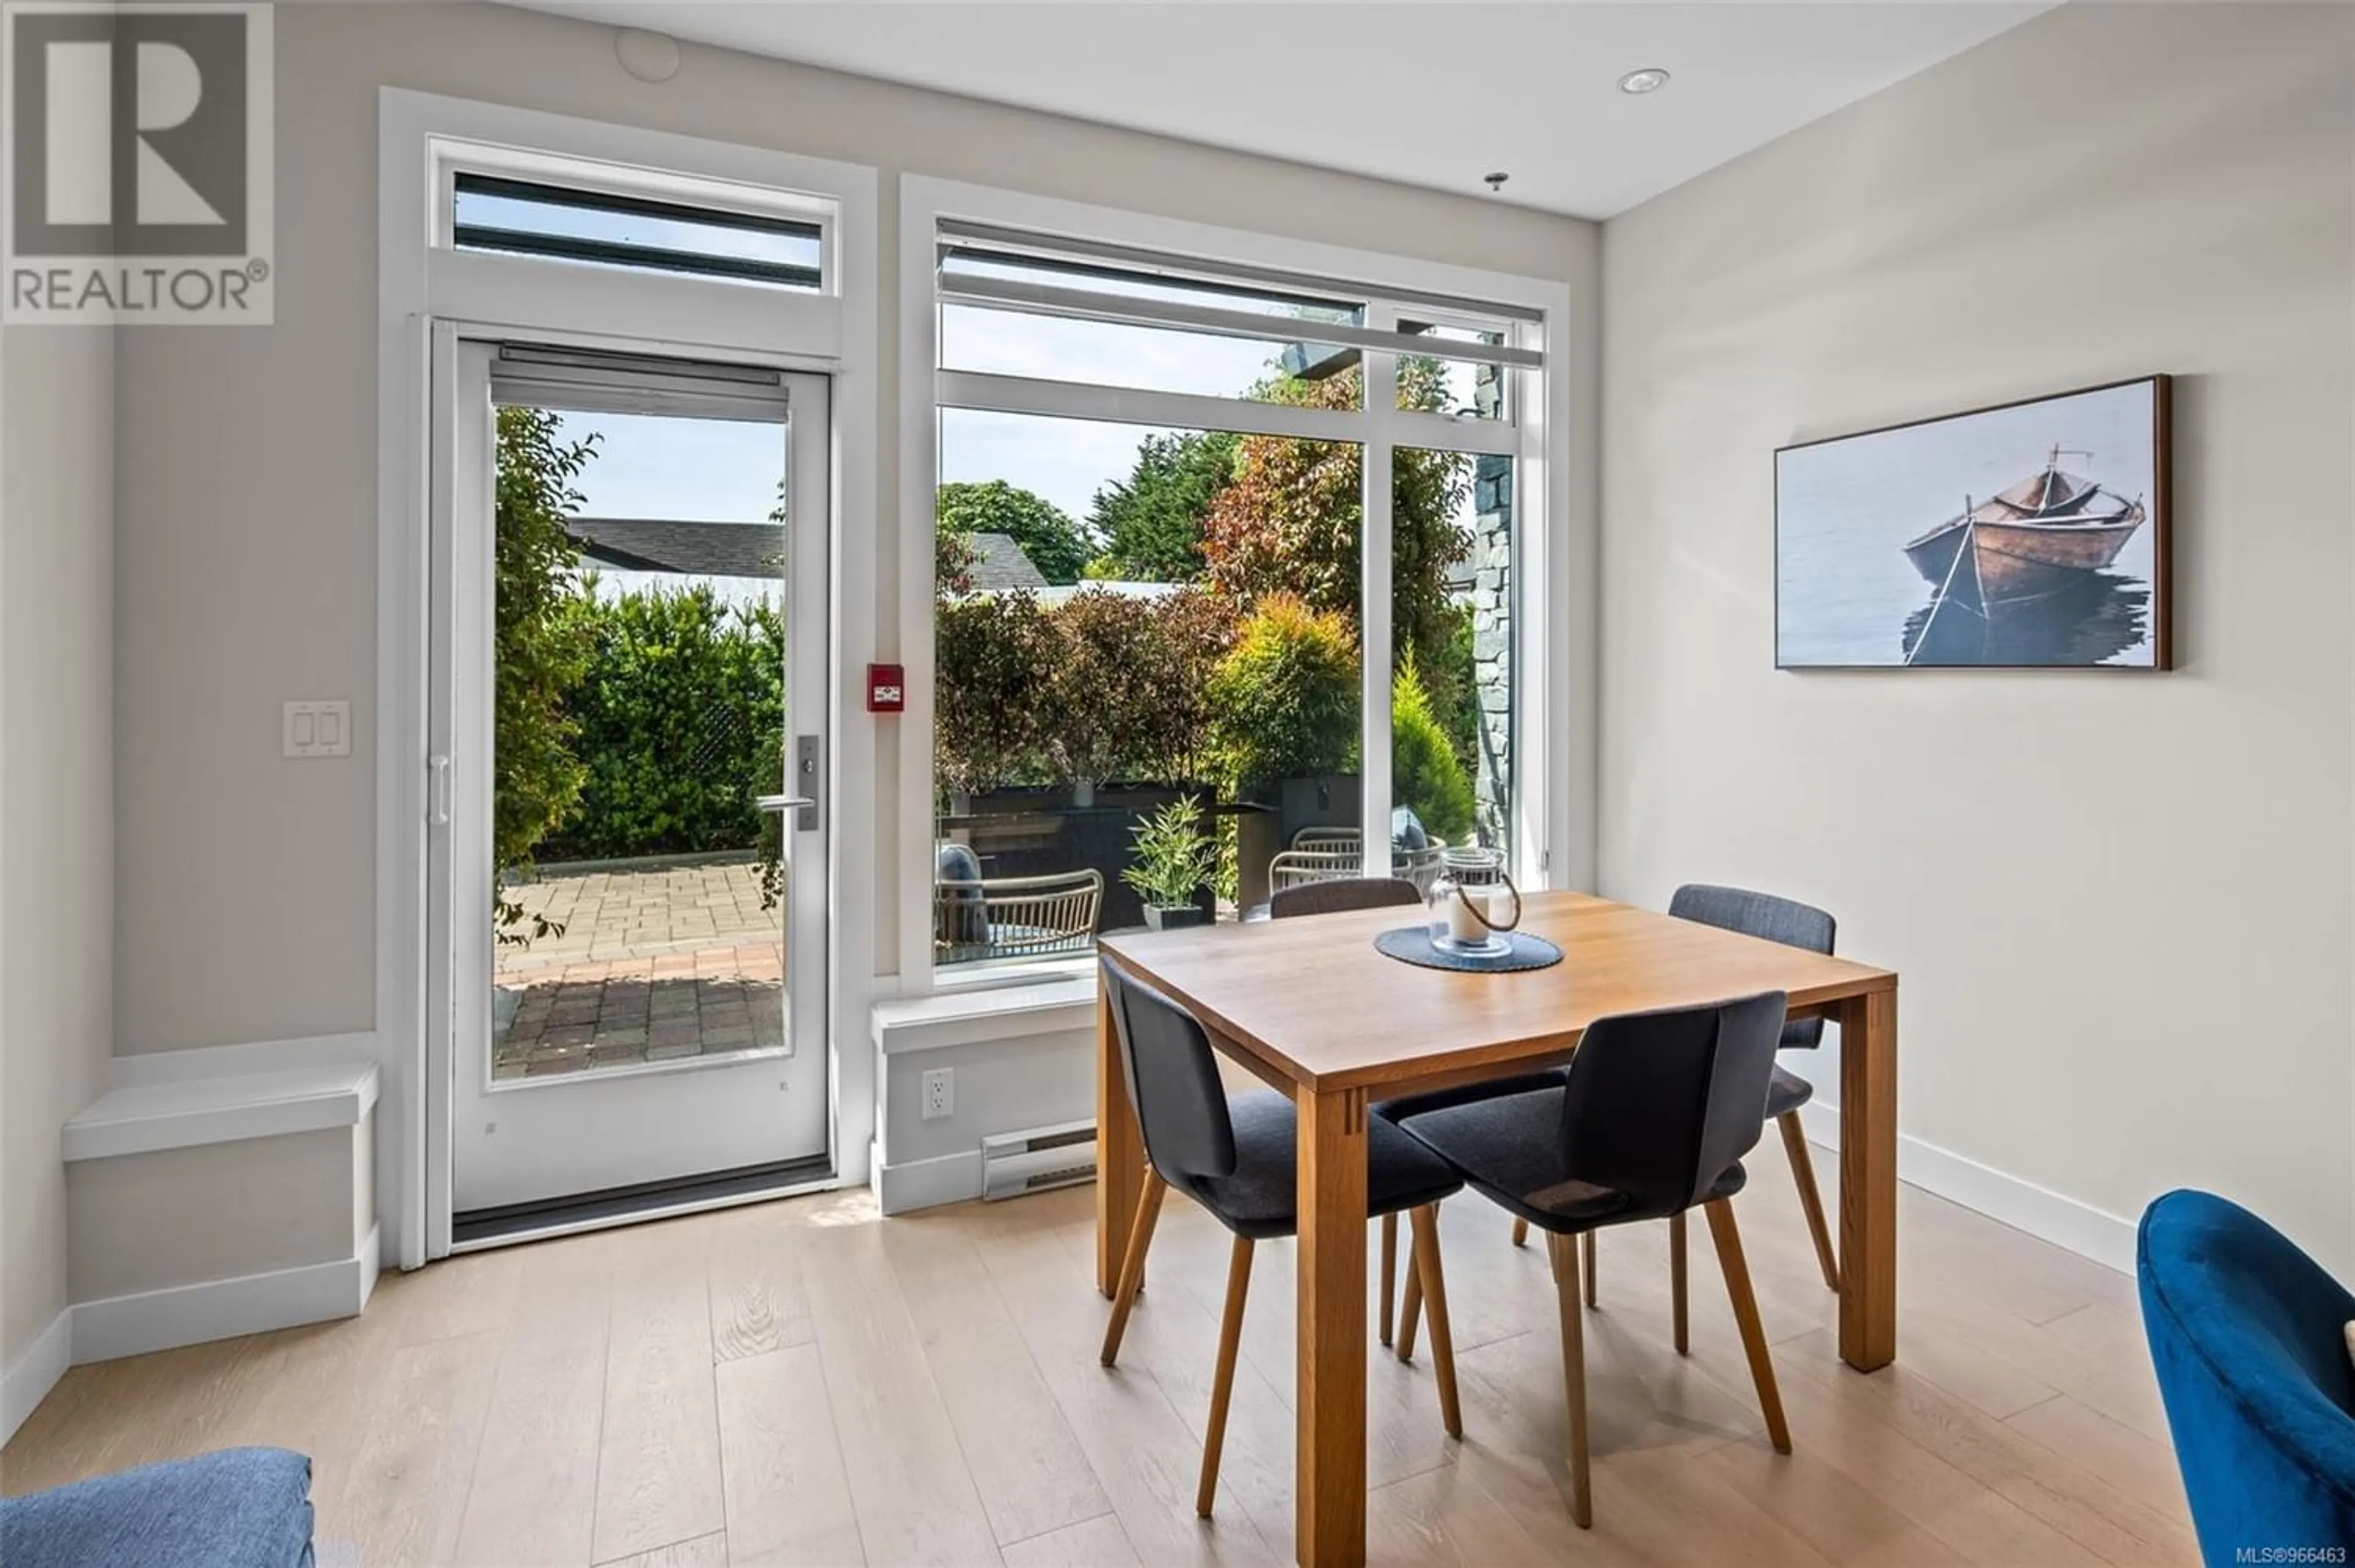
976 918
1298 867
1332 854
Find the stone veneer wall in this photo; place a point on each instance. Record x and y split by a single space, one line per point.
1492 627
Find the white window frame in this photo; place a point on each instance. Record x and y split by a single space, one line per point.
422 280
1550 531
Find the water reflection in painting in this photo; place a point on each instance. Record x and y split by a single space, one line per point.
2095 621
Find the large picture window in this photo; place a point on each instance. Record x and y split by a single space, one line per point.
1165 683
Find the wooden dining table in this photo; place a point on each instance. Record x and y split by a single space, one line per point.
1309 1006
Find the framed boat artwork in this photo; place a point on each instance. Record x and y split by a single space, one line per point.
2029 536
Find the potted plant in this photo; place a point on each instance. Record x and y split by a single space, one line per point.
1173 859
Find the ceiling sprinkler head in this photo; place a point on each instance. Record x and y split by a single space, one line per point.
1496 181
1651 78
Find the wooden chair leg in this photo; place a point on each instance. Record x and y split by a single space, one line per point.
1586 1256
1520 1233
1410 1314
1222 1384
1435 1293
1678 1314
1746 1314
1574 1376
1811 1197
1389 1271
1132 1267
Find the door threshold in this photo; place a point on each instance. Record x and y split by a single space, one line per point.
482 1229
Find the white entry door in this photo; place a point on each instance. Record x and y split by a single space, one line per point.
629 733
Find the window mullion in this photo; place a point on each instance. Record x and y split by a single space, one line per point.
1441 433
1374 610
984 390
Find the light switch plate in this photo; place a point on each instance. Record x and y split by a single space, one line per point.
318 729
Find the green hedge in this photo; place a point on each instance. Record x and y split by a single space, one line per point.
681 718
678 718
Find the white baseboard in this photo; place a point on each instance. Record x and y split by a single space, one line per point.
223 1309
2041 1212
928 1183
36 1371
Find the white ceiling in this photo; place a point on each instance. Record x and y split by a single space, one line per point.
1458 89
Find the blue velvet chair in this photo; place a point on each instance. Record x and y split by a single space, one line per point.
2248 1334
240 1507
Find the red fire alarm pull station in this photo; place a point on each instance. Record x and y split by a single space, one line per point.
887 690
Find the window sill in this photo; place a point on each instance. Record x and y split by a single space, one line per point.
1020 1004
965 979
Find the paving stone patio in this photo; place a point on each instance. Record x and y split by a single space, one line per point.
653 965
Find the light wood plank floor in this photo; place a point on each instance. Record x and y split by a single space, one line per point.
804 1383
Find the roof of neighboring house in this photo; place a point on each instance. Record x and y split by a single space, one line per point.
998 564
690 549
1063 592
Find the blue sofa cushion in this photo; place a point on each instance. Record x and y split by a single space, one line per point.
2246 1333
241 1508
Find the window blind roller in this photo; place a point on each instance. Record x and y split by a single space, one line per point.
992 267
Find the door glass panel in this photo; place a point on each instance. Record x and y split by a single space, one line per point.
1452 597
639 716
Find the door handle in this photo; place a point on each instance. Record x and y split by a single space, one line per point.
438 813
805 774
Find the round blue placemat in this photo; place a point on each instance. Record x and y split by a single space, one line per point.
1413 944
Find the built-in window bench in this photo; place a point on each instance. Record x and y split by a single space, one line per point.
218 1206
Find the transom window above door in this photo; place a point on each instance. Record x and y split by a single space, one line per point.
605 229
564 232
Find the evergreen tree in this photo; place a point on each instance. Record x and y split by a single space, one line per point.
1056 545
1151 522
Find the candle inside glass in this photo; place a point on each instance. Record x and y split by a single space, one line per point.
1464 926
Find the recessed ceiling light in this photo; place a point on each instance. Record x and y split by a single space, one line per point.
649 57
1651 78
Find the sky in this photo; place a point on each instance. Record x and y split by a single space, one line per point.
722 471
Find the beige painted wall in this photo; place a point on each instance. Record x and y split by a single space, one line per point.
2121 905
248 491
187 1216
57 873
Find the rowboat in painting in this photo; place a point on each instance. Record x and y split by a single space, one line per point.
2035 539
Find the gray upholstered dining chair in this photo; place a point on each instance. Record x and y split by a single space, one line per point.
1238 1158
1794 925
1650 1119
1341 893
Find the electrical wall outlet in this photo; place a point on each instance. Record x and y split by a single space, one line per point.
318 729
939 1092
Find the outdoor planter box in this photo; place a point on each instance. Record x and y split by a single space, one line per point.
1328 800
1033 831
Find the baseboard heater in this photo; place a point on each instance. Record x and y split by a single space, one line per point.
1015 1163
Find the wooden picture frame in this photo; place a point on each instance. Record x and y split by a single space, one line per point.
1998 538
